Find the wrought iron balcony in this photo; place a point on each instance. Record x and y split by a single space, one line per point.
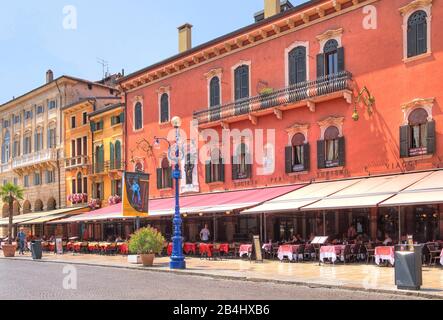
75 162
105 167
306 92
35 158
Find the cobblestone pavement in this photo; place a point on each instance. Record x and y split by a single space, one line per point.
30 280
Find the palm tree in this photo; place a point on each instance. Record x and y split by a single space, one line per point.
9 193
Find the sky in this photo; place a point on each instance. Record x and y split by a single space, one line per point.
39 35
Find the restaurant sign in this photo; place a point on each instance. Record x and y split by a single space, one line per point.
135 194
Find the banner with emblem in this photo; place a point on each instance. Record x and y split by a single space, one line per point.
135 194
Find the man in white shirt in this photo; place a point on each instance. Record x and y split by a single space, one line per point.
205 233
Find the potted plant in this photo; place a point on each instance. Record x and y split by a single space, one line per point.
146 242
9 193
265 97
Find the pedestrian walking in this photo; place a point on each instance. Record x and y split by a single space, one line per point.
21 238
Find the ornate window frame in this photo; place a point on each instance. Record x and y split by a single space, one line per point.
331 121
286 58
137 99
297 128
235 66
194 187
160 92
329 35
209 76
406 12
409 107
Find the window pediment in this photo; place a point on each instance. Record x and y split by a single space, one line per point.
414 5
331 121
422 103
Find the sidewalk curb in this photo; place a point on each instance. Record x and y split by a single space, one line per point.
239 278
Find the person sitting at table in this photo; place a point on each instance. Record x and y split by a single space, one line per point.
118 239
204 234
388 240
352 233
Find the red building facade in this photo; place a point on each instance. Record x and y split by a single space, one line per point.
341 89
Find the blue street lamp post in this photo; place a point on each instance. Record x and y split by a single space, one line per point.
177 257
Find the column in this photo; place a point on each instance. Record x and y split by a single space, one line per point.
230 230
440 211
373 222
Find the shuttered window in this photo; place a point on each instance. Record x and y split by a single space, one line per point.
241 82
164 175
331 150
241 164
138 121
164 108
214 168
297 65
418 137
297 154
332 60
417 34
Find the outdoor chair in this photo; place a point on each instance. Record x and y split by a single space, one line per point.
370 252
299 254
232 252
275 247
434 253
345 254
216 251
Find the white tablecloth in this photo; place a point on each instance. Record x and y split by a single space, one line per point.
328 255
381 257
384 253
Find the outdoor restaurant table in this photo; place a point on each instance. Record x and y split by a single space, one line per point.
384 253
169 249
206 248
123 247
92 246
189 247
224 247
51 246
289 251
441 257
245 249
77 246
267 247
331 252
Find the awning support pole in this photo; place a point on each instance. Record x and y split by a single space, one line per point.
261 226
399 224
265 236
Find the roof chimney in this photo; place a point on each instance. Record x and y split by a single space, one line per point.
184 37
49 76
272 7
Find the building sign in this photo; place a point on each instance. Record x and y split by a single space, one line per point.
135 194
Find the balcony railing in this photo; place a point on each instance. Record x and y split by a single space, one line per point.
48 155
292 94
5 167
78 161
105 167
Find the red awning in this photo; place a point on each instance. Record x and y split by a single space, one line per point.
193 204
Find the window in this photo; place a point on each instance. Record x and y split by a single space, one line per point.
297 154
164 175
16 148
27 145
418 137
164 108
85 146
38 141
73 186
51 138
417 34
6 147
96 126
73 123
84 118
297 65
15 181
85 185
330 151
241 164
37 179
241 82
189 169
117 119
49 176
99 159
28 115
214 92
17 119
40 109
331 61
79 183
116 186
52 105
97 190
26 181
215 171
5 123
138 118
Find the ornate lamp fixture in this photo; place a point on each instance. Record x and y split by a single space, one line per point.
368 100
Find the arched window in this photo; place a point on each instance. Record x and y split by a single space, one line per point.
241 166
164 108
138 116
331 57
214 92
164 174
297 154
297 65
6 147
241 82
215 171
331 142
79 183
417 34
418 120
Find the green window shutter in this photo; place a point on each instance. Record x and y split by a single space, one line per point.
430 128
320 65
112 155
94 190
118 155
222 170
112 187
208 177
159 179
101 124
321 159
92 124
122 117
306 157
288 159
102 193
404 141
341 59
341 151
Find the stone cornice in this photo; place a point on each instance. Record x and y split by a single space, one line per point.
330 34
289 23
297 127
414 5
419 102
213 72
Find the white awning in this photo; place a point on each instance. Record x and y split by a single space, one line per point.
429 190
299 198
20 219
369 192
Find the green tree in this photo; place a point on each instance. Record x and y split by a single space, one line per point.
9 193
